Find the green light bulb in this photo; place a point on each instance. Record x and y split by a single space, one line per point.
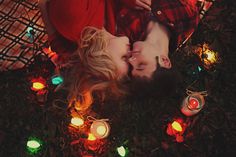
56 80
33 145
121 151
199 68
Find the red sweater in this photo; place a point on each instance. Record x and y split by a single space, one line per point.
71 16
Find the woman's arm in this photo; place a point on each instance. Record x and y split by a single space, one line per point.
43 8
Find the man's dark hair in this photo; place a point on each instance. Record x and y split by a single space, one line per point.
163 83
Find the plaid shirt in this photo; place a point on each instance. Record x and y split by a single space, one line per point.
181 17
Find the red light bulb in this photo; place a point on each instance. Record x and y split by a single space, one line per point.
193 103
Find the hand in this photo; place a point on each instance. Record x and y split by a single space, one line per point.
143 4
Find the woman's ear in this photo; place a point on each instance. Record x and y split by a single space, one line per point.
164 61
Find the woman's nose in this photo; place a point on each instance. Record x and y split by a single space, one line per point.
125 39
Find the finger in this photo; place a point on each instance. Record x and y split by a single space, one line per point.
148 2
131 59
138 8
143 5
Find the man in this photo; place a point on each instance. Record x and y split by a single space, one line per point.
155 35
157 32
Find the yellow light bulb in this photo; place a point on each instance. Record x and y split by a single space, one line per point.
101 130
176 125
211 56
91 137
38 86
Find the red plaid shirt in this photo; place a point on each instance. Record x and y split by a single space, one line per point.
181 17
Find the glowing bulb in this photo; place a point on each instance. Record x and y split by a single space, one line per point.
33 145
38 86
77 121
199 68
100 129
50 49
91 137
121 151
29 29
176 125
50 53
193 103
56 80
210 56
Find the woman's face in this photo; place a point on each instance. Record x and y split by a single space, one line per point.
119 49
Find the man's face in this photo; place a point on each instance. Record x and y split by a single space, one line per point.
143 60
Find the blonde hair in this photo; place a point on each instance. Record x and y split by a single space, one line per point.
93 71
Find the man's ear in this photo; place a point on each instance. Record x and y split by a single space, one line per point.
164 61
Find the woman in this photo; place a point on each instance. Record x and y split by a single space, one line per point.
100 61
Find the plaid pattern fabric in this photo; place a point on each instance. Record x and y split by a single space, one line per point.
22 33
132 23
180 16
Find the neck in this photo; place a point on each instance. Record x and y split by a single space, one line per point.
158 36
